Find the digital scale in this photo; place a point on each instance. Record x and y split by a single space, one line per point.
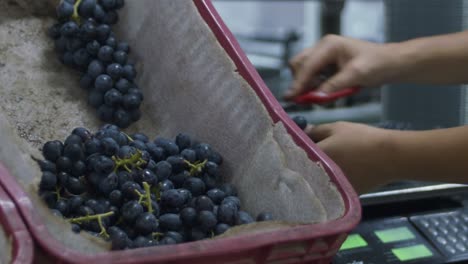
418 225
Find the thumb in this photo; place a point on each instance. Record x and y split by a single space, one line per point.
343 79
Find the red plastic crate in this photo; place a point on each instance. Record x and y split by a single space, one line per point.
314 243
22 245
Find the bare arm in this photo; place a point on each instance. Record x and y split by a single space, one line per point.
371 156
432 60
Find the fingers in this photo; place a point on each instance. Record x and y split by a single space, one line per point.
320 132
345 78
307 66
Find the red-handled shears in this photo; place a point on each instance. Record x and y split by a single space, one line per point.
316 97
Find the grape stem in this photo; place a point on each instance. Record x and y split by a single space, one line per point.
98 217
146 196
75 15
135 160
196 167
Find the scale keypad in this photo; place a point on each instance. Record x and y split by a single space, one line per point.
448 230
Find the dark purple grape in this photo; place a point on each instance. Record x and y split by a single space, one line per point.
54 31
50 198
178 237
170 222
123 46
93 47
64 10
179 179
74 203
122 118
221 228
92 146
69 29
95 68
146 176
172 198
163 170
131 210
300 121
112 97
86 8
108 184
129 72
106 53
183 141
103 32
195 186
48 181
52 150
106 113
109 146
166 185
169 146
115 197
73 151
75 186
119 238
88 31
244 218
95 98
227 213
177 163
203 203
233 200
122 85
64 164
189 155
73 139
206 220
216 195
129 189
138 144
114 70
120 57
83 133
131 101
62 178
111 17
146 223
264 216
103 83
47 165
104 165
228 189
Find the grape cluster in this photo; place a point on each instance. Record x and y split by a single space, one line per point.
138 193
85 41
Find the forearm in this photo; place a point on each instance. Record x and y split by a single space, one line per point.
435 155
431 60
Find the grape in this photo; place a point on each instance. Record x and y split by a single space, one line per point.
197 234
73 139
135 114
129 72
123 46
64 10
228 189
105 53
95 98
172 198
93 47
227 213
73 151
146 223
170 148
62 207
120 57
131 210
148 177
189 155
131 101
74 44
68 59
109 146
221 228
166 185
111 42
232 200
118 238
170 222
103 31
300 121
95 69
86 8
244 218
64 164
104 165
108 184
177 163
183 141
176 236
203 203
103 83
82 132
216 195
195 186
122 118
207 220
264 216
88 31
163 170
111 17
63 178
74 203
212 169
48 181
105 113
52 150
114 70
61 44
122 85
129 189
99 13
79 168
69 29
108 4
54 31
47 165
75 186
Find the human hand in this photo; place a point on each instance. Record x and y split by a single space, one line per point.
358 63
361 151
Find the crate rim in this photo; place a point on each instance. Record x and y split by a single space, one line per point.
334 229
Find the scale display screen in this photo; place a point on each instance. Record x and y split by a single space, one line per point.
353 241
394 234
412 252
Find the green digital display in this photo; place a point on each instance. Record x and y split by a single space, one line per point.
394 234
353 241
412 252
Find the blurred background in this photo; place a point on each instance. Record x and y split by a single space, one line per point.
272 32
